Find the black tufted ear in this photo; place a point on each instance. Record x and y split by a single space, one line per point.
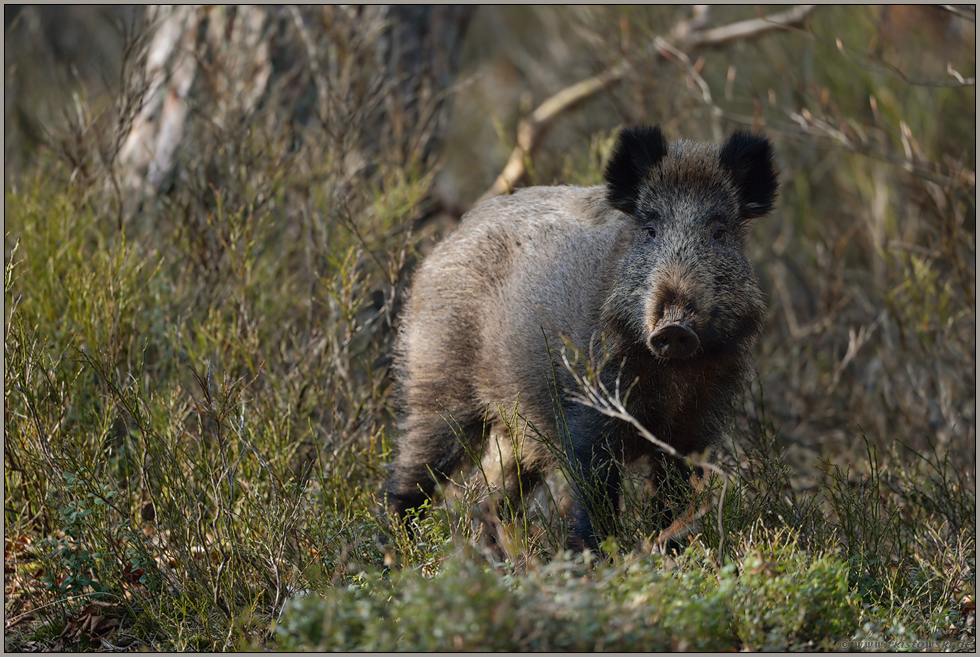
748 159
637 151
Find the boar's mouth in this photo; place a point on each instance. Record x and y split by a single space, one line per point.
674 340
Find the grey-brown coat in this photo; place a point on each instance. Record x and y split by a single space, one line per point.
650 266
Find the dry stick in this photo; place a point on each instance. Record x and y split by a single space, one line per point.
884 68
684 35
747 29
966 14
530 128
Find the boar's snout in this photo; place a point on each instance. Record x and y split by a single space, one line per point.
673 341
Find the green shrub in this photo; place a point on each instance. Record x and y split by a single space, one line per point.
774 601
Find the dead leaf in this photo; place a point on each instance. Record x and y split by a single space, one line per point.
92 622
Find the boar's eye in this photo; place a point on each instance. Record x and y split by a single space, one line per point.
718 233
652 231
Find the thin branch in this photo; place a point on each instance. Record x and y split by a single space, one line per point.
595 395
749 29
531 128
885 68
686 34
961 11
664 48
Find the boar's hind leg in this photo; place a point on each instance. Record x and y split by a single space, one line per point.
509 469
431 447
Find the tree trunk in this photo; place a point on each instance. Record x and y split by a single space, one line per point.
388 69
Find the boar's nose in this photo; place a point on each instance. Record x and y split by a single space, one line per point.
673 341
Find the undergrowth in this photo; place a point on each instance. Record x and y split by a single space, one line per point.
203 508
199 411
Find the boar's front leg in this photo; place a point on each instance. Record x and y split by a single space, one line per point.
593 452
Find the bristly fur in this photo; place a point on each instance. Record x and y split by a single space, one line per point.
748 158
637 151
656 254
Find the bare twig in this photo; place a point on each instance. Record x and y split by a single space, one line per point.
880 66
856 340
688 34
664 49
962 11
595 395
749 29
530 128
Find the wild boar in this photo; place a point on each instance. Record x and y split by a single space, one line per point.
651 266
